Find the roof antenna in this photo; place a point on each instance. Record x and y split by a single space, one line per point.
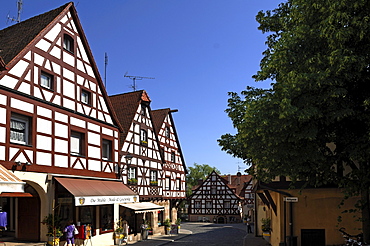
134 78
19 6
105 69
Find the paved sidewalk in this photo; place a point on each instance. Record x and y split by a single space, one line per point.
156 240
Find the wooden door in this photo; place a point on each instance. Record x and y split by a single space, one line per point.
29 219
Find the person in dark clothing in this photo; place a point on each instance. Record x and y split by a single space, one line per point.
249 227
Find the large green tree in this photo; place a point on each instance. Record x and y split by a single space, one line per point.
197 172
314 122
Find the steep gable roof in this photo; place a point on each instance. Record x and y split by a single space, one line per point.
125 106
159 116
15 38
219 179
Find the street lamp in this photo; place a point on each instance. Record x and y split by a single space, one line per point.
128 158
119 169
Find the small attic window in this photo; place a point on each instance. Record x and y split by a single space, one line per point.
68 43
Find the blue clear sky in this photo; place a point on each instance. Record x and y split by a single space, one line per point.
197 51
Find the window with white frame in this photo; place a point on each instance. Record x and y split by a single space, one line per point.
197 204
143 137
131 175
46 80
168 183
85 97
226 204
107 149
77 143
19 129
168 132
178 184
213 190
68 43
173 159
209 204
143 110
153 178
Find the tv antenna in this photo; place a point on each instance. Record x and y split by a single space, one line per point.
134 78
19 7
105 69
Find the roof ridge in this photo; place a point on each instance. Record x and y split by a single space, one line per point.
11 45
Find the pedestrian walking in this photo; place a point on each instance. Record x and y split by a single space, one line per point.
249 228
70 231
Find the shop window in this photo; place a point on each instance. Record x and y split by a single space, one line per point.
68 43
160 218
106 218
143 137
107 150
20 128
87 215
46 80
77 143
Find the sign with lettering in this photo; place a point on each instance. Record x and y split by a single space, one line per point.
291 199
101 200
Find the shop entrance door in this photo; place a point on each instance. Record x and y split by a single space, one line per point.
29 219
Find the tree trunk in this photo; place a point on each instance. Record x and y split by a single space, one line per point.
365 214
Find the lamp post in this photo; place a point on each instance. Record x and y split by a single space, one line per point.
128 158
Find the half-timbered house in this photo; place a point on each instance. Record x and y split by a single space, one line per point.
215 201
242 185
144 173
58 131
157 169
174 169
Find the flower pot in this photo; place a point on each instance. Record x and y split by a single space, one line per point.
266 235
53 241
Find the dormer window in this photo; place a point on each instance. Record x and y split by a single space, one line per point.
46 80
85 97
68 43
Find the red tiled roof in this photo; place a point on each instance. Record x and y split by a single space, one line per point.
158 117
15 38
125 106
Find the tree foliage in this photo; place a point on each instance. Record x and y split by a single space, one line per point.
316 113
196 173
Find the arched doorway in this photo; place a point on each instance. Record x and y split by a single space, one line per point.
29 216
221 220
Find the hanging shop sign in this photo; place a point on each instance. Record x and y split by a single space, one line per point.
102 200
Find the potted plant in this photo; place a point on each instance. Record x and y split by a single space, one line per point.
178 222
52 222
119 235
167 224
153 183
266 228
